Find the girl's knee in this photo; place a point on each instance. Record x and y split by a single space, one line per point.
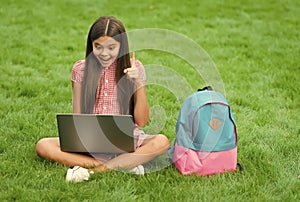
40 146
162 142
44 147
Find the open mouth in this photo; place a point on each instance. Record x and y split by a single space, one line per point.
105 62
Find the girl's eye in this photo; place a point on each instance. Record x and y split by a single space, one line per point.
98 47
111 48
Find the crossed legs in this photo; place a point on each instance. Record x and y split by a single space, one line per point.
156 145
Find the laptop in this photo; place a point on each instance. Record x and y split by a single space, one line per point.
93 133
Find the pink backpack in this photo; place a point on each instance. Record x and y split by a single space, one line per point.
206 136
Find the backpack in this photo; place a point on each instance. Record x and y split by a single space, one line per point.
206 135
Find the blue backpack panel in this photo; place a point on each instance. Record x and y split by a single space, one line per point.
205 134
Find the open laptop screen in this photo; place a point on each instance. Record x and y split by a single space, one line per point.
94 133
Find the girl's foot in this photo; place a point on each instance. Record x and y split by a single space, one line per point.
78 174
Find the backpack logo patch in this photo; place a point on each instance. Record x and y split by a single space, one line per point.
214 123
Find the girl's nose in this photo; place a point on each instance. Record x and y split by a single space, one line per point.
104 53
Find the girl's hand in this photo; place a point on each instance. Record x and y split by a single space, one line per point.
133 73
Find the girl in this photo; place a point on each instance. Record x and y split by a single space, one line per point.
108 82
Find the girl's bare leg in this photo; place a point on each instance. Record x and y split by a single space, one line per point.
49 149
152 147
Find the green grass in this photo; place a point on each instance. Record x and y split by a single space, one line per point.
255 46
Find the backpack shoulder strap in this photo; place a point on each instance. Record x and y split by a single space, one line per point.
208 97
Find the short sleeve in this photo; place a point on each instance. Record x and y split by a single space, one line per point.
78 71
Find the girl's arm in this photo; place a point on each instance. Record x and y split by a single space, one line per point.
141 107
76 97
77 74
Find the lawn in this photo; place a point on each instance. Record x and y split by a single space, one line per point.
248 50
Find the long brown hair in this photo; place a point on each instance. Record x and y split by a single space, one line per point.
112 27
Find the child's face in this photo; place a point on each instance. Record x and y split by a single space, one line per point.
106 49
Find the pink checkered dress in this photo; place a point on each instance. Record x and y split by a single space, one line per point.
106 98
